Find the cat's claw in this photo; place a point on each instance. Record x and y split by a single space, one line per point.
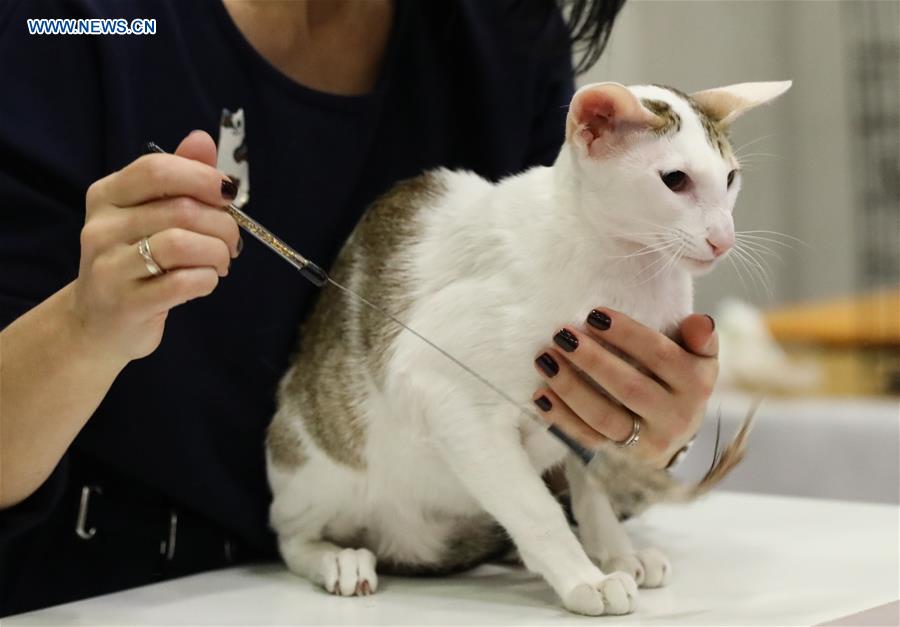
615 594
350 572
648 567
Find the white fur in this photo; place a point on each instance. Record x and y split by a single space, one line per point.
496 269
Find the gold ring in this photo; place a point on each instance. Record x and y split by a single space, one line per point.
635 436
144 250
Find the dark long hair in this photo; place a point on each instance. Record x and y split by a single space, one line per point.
582 32
589 23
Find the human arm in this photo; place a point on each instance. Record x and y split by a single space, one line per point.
58 360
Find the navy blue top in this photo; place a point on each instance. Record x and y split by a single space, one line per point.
465 84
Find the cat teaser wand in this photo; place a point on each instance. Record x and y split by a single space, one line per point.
314 273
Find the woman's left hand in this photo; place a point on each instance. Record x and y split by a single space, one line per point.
669 402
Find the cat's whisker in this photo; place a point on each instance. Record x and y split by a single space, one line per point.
762 250
737 271
758 247
648 249
757 154
756 269
670 263
644 250
651 251
755 157
662 257
772 234
750 143
741 262
738 256
676 258
755 254
755 238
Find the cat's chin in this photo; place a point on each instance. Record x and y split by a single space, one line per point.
698 267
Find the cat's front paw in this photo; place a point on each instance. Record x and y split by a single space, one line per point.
349 572
615 593
648 567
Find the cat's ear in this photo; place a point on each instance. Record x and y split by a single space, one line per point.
726 104
601 111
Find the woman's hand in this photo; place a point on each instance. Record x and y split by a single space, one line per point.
174 200
667 393
60 358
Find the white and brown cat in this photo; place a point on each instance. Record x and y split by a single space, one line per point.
385 456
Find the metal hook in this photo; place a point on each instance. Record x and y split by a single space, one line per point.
167 547
80 531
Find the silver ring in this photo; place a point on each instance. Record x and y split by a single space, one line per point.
635 436
144 250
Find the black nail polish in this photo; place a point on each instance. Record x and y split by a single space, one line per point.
711 321
546 363
543 403
240 246
229 189
566 340
599 320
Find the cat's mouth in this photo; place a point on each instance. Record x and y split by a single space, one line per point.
699 264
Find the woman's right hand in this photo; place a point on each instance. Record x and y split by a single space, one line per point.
176 200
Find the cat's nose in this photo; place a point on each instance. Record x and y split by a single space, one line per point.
720 244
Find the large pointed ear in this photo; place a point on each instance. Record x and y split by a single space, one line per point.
726 104
602 109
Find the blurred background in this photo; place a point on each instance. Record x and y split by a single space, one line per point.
819 334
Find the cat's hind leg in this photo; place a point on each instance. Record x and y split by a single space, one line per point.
303 506
602 535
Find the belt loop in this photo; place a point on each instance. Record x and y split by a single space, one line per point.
80 525
167 547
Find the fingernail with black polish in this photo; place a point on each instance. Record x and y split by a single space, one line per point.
240 246
566 340
599 320
711 321
543 403
546 363
229 189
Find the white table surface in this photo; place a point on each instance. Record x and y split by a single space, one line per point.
738 559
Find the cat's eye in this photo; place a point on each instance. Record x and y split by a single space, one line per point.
676 180
731 178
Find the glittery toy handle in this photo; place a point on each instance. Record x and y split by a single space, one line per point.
309 270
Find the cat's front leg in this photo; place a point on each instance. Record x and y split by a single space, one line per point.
603 536
486 454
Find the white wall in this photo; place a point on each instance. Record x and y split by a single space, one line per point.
805 188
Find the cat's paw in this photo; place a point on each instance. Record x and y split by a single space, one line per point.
648 567
657 569
349 572
615 593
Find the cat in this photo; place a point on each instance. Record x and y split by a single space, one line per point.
383 451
